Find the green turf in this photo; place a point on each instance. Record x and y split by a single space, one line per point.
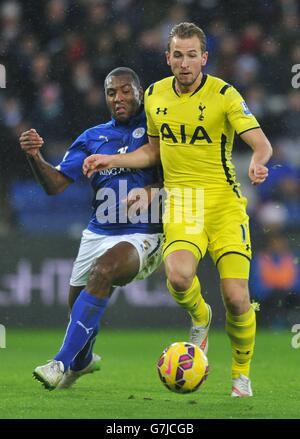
128 386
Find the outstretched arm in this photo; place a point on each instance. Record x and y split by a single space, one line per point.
262 152
46 175
144 157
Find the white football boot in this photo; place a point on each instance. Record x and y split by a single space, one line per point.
241 387
49 374
199 334
71 376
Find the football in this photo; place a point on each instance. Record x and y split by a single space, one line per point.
182 367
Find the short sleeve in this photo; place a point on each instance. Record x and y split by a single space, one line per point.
238 113
152 131
71 164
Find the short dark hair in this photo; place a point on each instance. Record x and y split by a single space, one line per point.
119 71
187 30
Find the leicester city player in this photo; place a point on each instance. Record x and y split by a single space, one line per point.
113 249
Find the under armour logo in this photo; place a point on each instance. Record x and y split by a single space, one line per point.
201 108
158 110
248 248
88 330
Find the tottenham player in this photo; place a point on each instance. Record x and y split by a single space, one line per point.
113 251
191 119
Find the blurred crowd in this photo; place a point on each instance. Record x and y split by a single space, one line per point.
58 52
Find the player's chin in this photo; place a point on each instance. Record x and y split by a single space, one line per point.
186 82
122 118
186 79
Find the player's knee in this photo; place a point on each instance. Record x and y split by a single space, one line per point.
180 281
100 278
181 269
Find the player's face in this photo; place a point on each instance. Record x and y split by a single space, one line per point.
123 97
186 60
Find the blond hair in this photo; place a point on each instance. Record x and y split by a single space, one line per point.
187 30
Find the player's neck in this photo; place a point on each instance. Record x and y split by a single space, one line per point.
188 88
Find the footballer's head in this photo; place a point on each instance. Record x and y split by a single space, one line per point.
186 55
123 93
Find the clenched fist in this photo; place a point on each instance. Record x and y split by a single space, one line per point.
31 142
258 173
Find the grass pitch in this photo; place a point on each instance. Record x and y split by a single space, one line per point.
128 387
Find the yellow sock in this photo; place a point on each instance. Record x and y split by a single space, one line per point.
241 331
192 301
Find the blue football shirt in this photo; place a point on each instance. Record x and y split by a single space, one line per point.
111 186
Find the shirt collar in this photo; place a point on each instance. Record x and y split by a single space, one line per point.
203 80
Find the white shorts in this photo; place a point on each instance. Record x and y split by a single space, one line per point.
92 245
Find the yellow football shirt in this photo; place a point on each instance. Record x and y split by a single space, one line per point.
196 131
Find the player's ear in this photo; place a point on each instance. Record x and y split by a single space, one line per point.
167 57
141 94
204 58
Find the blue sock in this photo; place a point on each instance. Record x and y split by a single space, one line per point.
85 316
84 357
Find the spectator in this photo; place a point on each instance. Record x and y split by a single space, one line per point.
279 170
48 115
275 279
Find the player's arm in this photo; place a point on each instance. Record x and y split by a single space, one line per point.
144 157
46 175
246 125
262 152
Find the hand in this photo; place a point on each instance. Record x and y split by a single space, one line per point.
96 162
257 173
31 142
140 198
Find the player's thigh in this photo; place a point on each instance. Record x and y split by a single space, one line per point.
94 246
91 247
149 248
178 237
119 264
229 240
183 221
145 250
234 265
